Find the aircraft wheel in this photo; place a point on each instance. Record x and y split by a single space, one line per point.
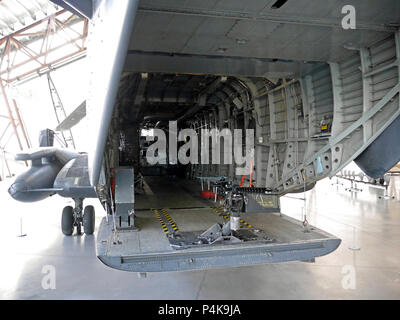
67 220
88 220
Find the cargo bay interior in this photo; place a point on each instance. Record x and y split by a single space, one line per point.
315 218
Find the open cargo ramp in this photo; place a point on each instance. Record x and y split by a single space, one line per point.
182 212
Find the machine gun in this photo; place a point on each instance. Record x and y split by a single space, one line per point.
236 199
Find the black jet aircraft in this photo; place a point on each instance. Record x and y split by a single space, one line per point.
57 171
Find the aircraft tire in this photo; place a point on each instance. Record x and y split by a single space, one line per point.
88 220
67 220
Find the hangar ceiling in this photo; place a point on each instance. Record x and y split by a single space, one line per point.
16 14
36 37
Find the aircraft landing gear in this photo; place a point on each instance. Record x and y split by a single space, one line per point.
88 220
76 217
67 220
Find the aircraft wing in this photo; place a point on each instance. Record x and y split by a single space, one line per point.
36 153
73 118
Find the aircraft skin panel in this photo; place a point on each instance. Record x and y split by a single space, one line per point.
301 30
109 34
386 144
73 118
216 258
79 7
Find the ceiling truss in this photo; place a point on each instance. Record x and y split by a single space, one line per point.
32 51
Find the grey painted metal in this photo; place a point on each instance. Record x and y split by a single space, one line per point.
81 7
262 203
46 138
217 235
114 18
124 197
297 108
141 61
73 179
326 22
212 257
61 155
284 38
387 153
73 118
31 185
53 170
124 183
355 124
144 61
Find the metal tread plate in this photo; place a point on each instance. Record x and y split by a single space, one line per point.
149 249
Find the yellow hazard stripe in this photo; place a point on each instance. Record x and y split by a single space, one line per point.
226 216
163 225
219 211
169 219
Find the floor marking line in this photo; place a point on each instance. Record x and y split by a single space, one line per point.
172 223
226 216
169 223
162 222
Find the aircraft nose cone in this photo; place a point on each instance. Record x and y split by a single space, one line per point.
16 189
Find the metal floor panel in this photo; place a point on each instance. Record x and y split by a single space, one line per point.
165 192
130 255
149 250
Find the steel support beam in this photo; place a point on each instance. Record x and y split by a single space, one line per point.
366 65
337 139
10 115
275 18
21 124
166 62
33 61
12 120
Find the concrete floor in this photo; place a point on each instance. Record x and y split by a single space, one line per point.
360 220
